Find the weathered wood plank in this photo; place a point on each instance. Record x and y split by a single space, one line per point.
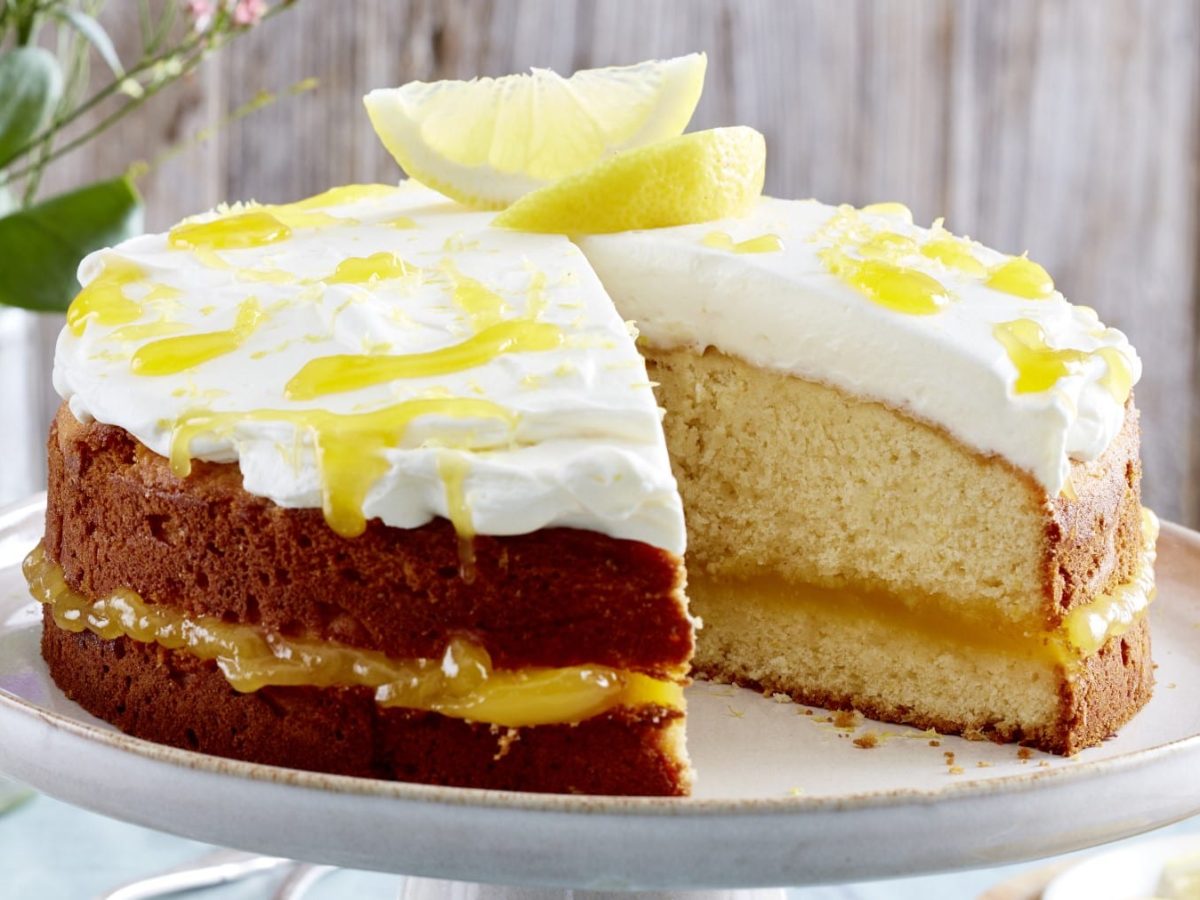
1075 134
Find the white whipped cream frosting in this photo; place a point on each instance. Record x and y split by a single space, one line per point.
588 450
785 310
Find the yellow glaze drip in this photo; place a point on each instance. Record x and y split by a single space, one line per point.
901 289
368 269
1118 380
294 217
177 354
1088 627
256 228
336 374
889 208
160 292
1021 277
104 300
763 243
462 684
535 296
453 468
147 330
888 246
1039 366
482 305
954 253
342 196
349 446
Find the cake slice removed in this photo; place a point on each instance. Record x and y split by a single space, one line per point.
910 470
361 485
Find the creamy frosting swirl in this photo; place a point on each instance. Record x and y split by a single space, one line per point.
912 317
193 342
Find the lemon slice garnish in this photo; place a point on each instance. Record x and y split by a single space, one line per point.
691 178
489 141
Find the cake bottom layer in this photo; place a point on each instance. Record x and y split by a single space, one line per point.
906 676
173 698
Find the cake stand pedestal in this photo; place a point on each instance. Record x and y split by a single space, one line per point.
436 889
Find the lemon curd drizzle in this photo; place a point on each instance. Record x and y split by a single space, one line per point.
336 374
103 299
1021 277
171 355
367 269
954 253
349 446
462 684
1089 626
763 243
869 260
256 228
899 288
482 305
1040 366
453 468
1083 631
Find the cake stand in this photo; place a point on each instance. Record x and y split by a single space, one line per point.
786 795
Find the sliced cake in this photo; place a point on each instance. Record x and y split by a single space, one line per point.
910 470
359 484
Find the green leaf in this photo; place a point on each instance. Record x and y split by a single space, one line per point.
30 86
93 32
40 247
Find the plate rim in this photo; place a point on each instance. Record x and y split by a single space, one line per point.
586 804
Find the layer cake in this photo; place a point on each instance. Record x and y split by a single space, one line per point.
358 484
910 470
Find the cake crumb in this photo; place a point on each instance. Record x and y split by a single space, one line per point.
983 764
807 711
867 741
935 743
779 697
736 713
846 718
1171 685
949 755
1024 754
505 742
1043 765
956 770
796 792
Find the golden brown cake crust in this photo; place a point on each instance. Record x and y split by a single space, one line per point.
719 407
176 699
118 518
1105 693
1094 539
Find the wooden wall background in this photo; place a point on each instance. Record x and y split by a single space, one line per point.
1067 127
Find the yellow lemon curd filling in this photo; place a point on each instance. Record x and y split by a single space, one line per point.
461 684
1083 631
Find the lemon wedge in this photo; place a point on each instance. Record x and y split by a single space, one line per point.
695 177
488 141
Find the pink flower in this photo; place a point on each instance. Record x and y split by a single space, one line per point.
202 12
249 12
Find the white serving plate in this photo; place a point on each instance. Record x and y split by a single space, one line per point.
1127 873
783 798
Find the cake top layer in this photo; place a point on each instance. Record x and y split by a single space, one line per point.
958 335
378 352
